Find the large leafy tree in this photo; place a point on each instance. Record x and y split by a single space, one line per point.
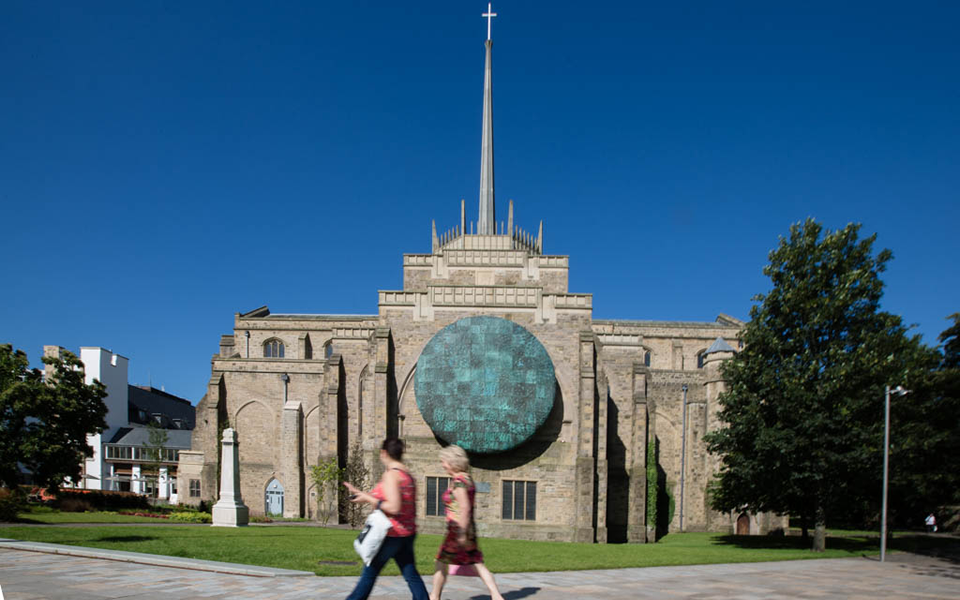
925 435
44 424
951 344
803 412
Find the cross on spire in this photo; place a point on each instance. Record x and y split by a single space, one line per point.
489 16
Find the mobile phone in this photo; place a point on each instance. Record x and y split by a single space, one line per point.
352 496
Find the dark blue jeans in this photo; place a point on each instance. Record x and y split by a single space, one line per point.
399 549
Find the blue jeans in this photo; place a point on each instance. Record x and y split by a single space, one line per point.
399 549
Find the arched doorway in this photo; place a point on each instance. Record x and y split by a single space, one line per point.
743 524
274 498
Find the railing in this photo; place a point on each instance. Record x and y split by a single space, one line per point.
142 454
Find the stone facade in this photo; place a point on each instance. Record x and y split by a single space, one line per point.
351 379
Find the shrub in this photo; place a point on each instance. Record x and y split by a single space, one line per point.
75 505
190 517
105 499
10 504
143 514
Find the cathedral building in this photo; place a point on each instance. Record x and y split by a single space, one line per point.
575 426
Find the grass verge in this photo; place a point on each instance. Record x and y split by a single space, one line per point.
53 517
308 548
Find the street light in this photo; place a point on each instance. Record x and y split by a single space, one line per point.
899 391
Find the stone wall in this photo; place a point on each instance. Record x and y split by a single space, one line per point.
352 379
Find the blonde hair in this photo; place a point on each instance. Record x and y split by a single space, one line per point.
456 457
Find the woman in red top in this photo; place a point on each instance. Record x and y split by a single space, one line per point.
459 547
396 496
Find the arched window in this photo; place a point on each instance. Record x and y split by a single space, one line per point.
328 350
700 359
646 358
273 349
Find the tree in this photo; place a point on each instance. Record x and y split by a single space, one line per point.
153 450
925 435
803 410
326 476
355 472
951 344
44 424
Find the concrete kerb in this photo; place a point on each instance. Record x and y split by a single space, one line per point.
153 559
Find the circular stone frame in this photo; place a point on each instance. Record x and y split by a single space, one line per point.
485 384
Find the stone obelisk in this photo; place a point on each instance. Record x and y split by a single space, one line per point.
230 511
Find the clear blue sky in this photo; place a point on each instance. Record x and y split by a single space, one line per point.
164 165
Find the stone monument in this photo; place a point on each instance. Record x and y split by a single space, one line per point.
230 510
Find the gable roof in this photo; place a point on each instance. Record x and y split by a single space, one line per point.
151 401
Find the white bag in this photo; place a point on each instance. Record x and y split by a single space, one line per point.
371 536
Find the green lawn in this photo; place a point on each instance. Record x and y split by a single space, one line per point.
55 517
303 548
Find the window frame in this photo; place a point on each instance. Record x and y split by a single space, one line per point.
274 348
528 485
438 508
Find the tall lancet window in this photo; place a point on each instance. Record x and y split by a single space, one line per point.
273 348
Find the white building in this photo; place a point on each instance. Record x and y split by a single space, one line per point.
120 454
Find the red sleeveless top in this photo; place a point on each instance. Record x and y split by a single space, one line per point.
405 521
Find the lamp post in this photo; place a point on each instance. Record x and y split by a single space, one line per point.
683 452
899 391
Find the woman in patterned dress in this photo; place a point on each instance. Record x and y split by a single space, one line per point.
459 547
396 496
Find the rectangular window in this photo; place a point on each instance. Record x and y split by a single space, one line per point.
119 452
519 500
194 488
436 486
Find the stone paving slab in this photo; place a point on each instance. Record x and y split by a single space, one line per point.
153 559
34 575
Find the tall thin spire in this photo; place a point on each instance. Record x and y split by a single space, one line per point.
486 224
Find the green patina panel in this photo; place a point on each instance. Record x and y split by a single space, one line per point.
485 384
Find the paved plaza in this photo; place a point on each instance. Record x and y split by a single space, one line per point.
29 575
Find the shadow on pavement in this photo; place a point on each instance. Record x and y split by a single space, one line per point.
943 547
513 595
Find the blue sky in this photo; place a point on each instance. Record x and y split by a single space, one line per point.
164 165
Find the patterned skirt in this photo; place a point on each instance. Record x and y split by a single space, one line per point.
453 553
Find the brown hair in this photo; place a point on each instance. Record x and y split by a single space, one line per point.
393 447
